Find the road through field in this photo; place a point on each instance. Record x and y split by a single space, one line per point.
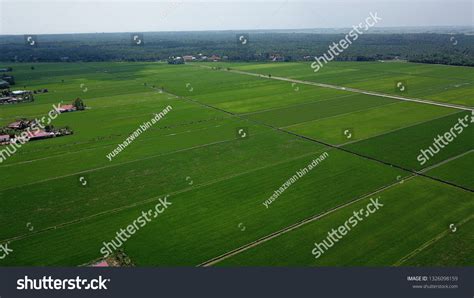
423 101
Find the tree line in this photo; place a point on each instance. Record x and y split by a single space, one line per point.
261 46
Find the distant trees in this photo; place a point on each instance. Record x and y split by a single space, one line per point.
4 85
417 47
79 104
175 60
8 78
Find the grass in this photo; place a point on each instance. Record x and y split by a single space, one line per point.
369 122
458 171
230 177
454 250
413 213
403 147
441 83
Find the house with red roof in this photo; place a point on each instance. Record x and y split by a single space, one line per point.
40 134
67 108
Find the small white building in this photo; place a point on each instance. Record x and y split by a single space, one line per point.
20 92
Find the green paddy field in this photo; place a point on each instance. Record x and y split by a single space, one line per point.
218 179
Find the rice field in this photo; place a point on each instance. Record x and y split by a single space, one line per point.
233 137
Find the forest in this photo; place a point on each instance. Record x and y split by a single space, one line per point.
434 48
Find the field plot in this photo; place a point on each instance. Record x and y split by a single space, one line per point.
413 212
230 141
457 170
441 83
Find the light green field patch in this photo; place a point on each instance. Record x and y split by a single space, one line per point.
369 122
303 113
203 221
443 83
453 250
413 212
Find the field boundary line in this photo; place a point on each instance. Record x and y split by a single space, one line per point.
328 144
68 152
430 242
184 190
297 105
119 164
349 89
400 128
318 216
343 114
446 161
296 225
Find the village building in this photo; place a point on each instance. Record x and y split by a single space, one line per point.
4 84
16 96
4 139
189 58
40 134
67 108
215 58
20 92
21 124
101 264
7 99
277 58
17 125
9 79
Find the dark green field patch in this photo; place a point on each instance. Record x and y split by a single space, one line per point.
453 250
413 212
204 221
457 171
403 147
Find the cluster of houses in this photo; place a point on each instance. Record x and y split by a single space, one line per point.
6 80
10 133
191 58
16 96
34 129
277 58
29 130
217 58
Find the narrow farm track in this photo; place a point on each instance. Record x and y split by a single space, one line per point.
397 129
292 227
119 164
430 242
338 147
156 198
360 91
300 222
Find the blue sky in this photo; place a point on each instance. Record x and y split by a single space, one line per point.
79 16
